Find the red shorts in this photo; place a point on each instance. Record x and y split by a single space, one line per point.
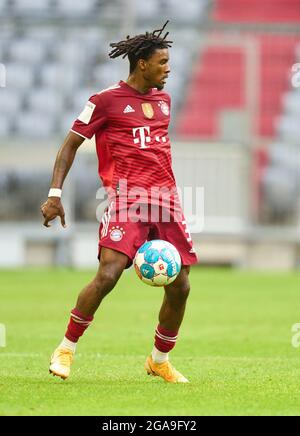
118 232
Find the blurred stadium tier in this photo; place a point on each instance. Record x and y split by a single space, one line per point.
257 11
220 82
235 121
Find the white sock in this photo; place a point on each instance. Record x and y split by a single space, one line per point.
158 356
66 343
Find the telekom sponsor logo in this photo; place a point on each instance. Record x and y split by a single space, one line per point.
141 135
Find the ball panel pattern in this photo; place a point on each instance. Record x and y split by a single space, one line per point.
151 255
157 263
147 271
160 267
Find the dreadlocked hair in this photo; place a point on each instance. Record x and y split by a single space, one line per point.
140 46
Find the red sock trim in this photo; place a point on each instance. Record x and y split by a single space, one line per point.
166 332
79 314
77 325
165 340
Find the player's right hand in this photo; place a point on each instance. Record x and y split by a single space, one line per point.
51 209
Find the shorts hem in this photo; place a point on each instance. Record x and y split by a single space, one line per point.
191 262
130 260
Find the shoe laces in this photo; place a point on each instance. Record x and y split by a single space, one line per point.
65 357
168 370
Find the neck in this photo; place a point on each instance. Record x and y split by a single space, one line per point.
138 83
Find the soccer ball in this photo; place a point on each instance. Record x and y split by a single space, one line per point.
157 263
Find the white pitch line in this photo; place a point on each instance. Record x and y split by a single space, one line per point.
78 355
143 356
20 354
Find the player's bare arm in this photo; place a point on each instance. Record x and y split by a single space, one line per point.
53 207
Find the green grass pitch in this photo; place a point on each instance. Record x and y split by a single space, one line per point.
234 346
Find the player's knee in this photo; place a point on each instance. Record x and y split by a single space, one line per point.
178 293
184 291
105 281
183 286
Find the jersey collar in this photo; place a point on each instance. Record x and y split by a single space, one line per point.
134 91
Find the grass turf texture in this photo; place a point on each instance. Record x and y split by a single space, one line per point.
234 346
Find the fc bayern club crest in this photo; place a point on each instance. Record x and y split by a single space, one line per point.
164 107
116 233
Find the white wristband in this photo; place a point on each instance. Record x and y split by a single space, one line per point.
55 192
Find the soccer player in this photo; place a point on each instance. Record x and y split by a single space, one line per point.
130 123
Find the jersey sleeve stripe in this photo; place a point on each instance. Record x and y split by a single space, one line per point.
71 130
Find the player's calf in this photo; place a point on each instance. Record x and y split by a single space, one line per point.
111 267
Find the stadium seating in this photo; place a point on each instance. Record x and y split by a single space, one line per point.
219 84
45 101
19 76
21 7
257 11
5 125
20 190
281 180
216 84
218 87
78 99
291 103
56 76
288 127
3 5
73 8
188 12
27 51
10 102
279 192
67 120
33 124
53 69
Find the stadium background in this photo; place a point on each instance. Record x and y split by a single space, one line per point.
235 132
234 126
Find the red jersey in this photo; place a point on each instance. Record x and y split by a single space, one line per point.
132 142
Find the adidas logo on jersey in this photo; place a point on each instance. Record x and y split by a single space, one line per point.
128 109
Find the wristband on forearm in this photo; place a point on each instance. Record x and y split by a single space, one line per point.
55 192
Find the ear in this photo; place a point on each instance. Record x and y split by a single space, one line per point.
142 64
